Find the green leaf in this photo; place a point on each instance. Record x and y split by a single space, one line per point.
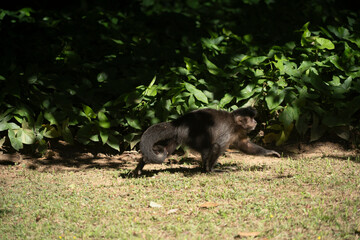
84 133
212 42
317 129
66 133
102 77
6 116
15 142
339 32
199 95
51 132
212 68
2 141
113 142
134 142
338 92
4 126
323 43
42 146
290 69
118 41
25 12
343 132
103 120
24 112
13 126
104 135
289 115
19 119
255 60
335 60
134 123
181 71
284 135
274 97
193 4
347 83
26 136
151 90
334 120
147 3
306 34
191 64
89 113
132 139
281 139
50 117
94 138
317 82
39 122
191 101
305 65
246 92
25 125
68 137
302 124
276 127
226 100
271 137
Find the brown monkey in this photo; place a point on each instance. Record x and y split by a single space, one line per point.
208 131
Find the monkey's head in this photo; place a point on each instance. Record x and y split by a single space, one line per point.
245 118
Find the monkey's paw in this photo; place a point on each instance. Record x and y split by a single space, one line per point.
273 153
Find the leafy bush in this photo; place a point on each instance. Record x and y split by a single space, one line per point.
83 75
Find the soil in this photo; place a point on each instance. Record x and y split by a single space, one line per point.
64 157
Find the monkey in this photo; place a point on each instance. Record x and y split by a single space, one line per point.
207 131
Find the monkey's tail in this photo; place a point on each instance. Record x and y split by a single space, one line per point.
154 134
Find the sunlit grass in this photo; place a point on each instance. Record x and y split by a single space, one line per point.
290 199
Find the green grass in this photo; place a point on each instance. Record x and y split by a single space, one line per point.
290 199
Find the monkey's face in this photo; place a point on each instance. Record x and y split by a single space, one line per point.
246 122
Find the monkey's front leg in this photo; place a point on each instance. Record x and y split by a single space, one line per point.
254 149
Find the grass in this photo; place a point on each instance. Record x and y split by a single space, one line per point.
290 199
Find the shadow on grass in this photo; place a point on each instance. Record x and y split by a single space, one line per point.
355 159
192 170
65 157
62 156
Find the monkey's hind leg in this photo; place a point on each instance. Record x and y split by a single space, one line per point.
138 170
210 157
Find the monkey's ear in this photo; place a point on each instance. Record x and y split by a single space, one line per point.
241 121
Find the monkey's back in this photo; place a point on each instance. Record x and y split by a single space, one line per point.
202 128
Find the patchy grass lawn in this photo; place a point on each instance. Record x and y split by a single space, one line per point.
249 197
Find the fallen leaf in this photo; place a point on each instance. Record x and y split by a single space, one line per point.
172 211
209 205
155 205
247 234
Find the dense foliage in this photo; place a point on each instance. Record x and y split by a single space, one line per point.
103 71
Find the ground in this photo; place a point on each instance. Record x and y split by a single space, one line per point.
63 157
311 192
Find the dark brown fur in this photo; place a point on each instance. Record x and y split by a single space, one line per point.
208 131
